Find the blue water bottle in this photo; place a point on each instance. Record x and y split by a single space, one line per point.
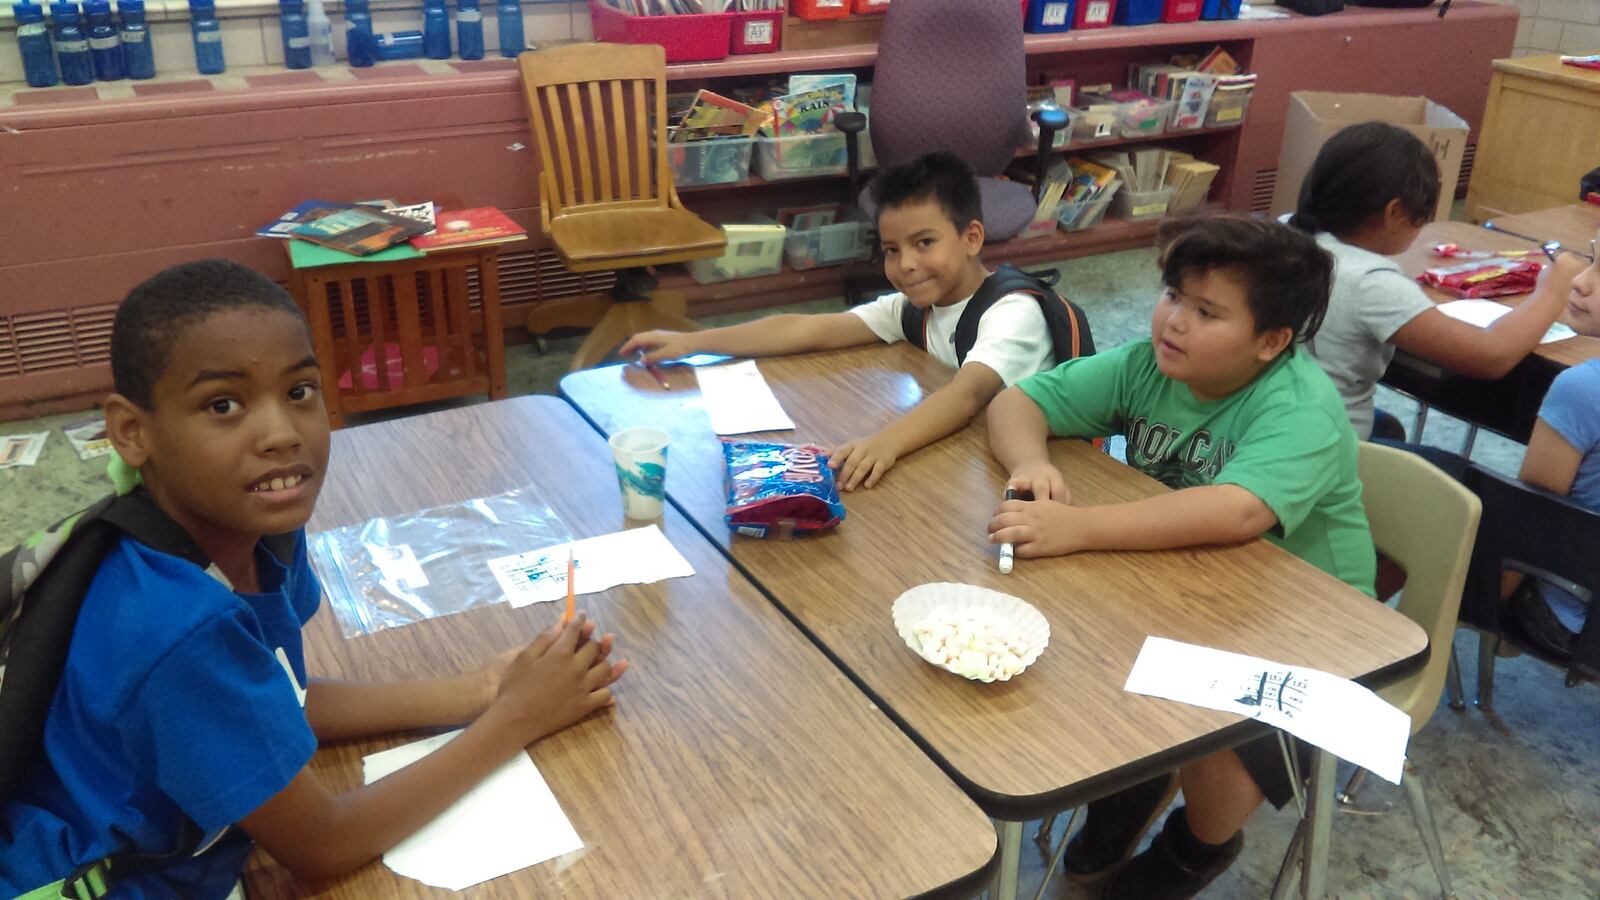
469 29
33 39
435 30
104 45
296 34
72 45
509 12
358 33
138 59
207 37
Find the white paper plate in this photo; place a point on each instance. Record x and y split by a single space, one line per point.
1010 614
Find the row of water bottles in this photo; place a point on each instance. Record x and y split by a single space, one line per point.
87 45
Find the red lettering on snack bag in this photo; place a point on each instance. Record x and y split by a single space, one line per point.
801 465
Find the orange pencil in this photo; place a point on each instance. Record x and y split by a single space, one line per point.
572 590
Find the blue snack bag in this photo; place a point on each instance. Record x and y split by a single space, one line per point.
779 490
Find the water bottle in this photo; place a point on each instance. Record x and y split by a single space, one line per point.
321 31
33 39
509 13
138 59
207 37
469 29
435 30
398 45
296 36
72 45
358 33
104 45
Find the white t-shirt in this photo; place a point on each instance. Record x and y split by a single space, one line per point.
1013 339
1372 299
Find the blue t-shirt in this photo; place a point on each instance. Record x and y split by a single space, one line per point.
1572 408
179 698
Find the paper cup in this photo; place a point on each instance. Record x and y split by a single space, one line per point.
1010 617
641 458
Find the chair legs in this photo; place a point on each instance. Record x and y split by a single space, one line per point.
1423 816
1452 682
622 320
1472 438
1348 795
1488 646
1419 422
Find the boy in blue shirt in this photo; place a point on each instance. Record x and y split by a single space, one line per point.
184 719
1253 440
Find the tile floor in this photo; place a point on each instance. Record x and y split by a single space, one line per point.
1515 791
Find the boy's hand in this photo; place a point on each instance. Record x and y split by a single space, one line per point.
862 462
1038 528
1042 480
659 346
557 679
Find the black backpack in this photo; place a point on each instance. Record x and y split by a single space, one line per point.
1069 327
1313 7
42 585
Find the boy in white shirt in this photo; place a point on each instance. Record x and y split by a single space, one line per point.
930 228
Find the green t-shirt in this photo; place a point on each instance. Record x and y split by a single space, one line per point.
1284 437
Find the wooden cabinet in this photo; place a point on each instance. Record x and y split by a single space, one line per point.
1541 132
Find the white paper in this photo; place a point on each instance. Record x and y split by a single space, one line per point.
739 401
23 449
636 556
1483 313
399 566
508 822
1333 713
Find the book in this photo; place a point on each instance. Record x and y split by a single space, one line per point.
478 227
711 115
88 437
283 226
359 231
306 255
800 84
21 449
422 212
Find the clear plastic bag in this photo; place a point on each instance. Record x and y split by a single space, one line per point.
401 569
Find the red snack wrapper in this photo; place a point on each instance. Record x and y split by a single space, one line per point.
779 490
1496 277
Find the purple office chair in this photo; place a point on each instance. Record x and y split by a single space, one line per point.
951 76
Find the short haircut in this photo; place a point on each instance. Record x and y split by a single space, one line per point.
1359 170
1286 275
157 312
940 177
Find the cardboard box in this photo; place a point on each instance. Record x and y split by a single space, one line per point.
1314 117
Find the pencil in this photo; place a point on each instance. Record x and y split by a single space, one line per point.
654 372
572 589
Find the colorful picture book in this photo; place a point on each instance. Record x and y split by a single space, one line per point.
359 230
477 227
283 226
88 437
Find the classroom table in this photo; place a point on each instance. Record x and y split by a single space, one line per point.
1063 732
1507 405
738 761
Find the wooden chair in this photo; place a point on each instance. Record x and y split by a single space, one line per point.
606 197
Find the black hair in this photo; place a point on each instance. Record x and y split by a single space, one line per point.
157 312
1358 171
941 177
1287 276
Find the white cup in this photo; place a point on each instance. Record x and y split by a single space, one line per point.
641 458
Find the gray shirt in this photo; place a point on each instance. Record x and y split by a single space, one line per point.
1372 299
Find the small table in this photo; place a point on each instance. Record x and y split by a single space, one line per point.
738 761
1064 732
1574 225
1538 136
401 327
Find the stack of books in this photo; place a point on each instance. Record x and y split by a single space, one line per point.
1190 180
371 227
1191 82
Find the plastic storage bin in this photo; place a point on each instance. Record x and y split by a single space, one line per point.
801 156
1093 13
716 161
829 245
685 38
814 10
1136 206
1085 213
757 32
1228 107
868 7
1220 9
1139 12
1048 16
1143 118
1181 11
1096 122
755 248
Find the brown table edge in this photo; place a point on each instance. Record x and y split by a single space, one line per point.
1021 808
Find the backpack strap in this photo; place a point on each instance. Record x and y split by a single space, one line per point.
914 324
1006 279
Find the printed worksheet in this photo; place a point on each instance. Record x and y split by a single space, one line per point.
636 556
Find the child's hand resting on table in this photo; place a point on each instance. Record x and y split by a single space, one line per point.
660 346
1038 528
862 462
557 679
1042 480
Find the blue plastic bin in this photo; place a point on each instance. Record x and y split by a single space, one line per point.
1139 12
1220 9
1049 16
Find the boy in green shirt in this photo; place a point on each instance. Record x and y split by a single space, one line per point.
1254 441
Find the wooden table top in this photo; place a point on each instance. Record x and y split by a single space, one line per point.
1550 68
1063 731
1574 225
739 761
1565 353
